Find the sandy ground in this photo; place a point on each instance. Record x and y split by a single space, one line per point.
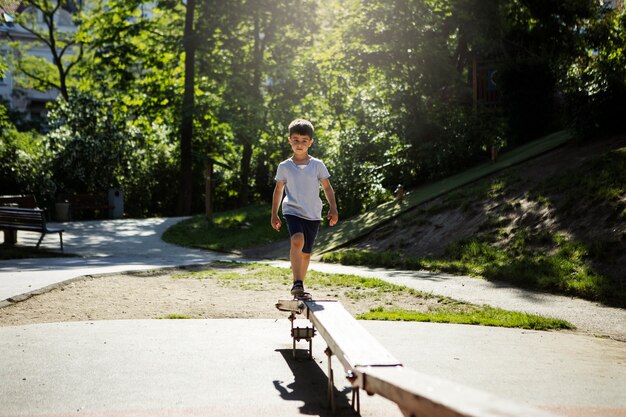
173 292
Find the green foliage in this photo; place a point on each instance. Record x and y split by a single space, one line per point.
91 145
527 263
50 25
596 81
24 162
388 85
176 316
528 256
94 151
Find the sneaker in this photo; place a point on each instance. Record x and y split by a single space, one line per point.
298 289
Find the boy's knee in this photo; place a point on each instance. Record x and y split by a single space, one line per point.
297 240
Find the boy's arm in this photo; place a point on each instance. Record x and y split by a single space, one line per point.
333 214
276 199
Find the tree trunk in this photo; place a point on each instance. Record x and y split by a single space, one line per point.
244 188
185 197
248 139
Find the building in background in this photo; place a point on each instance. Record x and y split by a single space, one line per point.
28 101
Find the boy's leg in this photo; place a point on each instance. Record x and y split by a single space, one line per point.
304 265
299 265
303 233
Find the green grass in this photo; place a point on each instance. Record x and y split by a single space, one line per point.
483 316
230 230
258 277
176 317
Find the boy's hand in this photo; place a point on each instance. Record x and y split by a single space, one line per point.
276 223
333 216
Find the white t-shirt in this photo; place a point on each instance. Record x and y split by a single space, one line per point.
302 188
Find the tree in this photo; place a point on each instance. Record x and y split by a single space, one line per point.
187 118
596 83
250 51
52 23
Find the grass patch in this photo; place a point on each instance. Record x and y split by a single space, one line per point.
360 290
483 316
385 259
176 317
23 252
229 231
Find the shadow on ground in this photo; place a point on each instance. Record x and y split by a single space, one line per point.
310 387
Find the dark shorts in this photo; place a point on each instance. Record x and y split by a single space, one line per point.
308 228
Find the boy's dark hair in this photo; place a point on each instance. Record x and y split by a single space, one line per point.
301 127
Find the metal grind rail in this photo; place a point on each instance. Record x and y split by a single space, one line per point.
370 367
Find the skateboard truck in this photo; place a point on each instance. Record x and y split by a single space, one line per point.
296 306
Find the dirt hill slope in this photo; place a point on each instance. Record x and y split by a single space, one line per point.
557 193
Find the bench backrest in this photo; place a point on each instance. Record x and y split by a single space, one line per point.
25 201
23 218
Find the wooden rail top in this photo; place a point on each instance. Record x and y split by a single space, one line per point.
419 394
347 339
372 368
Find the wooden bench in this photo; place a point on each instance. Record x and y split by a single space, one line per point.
21 200
27 219
25 201
370 367
79 203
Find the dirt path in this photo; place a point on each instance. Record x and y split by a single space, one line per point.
178 293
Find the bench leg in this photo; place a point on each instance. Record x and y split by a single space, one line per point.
356 400
10 237
40 239
331 380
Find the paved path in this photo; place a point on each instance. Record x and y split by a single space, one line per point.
103 247
241 367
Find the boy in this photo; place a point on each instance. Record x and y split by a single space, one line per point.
300 177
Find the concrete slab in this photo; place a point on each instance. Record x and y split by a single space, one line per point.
165 367
245 367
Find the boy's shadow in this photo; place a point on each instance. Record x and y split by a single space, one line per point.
310 386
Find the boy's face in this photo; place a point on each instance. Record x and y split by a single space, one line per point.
300 144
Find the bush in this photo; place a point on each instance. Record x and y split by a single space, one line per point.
95 151
596 86
24 163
